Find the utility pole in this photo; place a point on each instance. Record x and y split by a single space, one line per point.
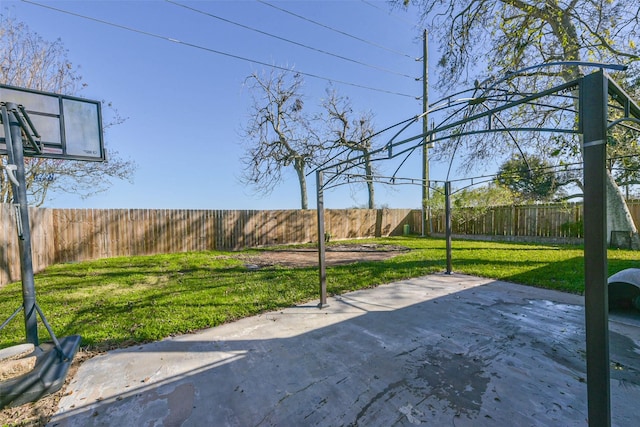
426 217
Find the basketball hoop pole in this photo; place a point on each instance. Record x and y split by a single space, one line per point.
74 139
16 157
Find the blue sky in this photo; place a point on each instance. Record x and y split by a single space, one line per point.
185 105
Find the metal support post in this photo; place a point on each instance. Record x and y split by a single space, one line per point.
16 157
321 241
447 222
426 217
593 113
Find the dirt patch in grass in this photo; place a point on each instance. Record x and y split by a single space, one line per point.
334 255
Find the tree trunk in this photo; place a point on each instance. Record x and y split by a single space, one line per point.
304 203
618 215
370 188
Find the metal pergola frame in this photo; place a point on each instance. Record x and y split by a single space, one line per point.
595 91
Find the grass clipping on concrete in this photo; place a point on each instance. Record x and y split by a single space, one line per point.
123 301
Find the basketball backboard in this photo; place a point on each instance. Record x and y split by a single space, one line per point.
69 127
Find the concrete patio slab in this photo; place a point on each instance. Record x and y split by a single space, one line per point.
437 350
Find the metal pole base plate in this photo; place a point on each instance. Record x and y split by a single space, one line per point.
46 378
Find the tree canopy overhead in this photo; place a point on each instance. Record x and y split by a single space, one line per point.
507 35
484 39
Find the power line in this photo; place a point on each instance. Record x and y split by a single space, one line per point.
336 30
375 6
210 50
324 52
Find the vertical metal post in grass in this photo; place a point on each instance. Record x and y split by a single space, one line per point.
593 114
425 141
447 219
321 241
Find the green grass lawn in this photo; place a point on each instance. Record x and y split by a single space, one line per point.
122 301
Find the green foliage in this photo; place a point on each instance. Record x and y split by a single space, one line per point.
128 300
483 197
573 229
624 155
479 199
533 178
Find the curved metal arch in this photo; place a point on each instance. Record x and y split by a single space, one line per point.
381 179
468 101
444 103
509 75
624 119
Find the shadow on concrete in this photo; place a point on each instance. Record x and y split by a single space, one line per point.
439 350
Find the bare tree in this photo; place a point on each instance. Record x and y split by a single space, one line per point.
27 60
506 35
351 134
279 134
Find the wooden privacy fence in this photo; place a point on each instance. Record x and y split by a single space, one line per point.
71 235
543 220
548 220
